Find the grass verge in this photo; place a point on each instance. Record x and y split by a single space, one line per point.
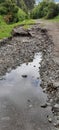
5 29
56 19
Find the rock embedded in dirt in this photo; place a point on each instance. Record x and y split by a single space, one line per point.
57 117
51 100
50 120
56 85
37 77
24 76
44 90
29 100
56 107
44 105
20 31
34 66
30 106
56 124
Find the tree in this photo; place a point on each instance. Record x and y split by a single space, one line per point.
53 10
48 0
10 9
29 4
1 1
47 9
21 4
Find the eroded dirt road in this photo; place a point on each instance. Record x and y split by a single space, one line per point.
19 49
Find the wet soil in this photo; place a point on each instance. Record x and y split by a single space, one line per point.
21 49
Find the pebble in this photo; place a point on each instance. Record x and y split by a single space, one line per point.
56 124
37 77
57 117
44 105
50 120
24 76
5 118
44 90
56 85
56 107
34 66
30 106
9 70
51 100
28 100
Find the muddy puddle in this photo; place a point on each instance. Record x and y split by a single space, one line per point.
22 99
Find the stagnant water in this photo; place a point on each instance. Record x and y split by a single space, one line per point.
21 98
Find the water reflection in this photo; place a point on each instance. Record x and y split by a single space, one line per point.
18 88
21 98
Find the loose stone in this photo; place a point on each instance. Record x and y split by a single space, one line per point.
44 105
24 76
50 120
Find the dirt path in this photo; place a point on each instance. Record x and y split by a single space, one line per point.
53 29
21 49
52 67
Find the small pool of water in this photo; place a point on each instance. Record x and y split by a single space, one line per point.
23 83
20 92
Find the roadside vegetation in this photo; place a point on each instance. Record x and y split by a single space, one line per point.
12 14
55 19
6 29
21 12
47 9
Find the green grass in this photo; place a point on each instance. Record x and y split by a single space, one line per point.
21 15
5 29
56 19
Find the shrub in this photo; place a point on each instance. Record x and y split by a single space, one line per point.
45 9
34 13
40 10
2 10
10 10
52 10
21 15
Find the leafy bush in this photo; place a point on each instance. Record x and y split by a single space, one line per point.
45 9
10 10
22 15
40 10
21 4
2 10
52 10
34 13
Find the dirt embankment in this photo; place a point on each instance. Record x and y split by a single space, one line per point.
22 47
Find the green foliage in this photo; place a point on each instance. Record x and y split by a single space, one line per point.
55 19
6 29
10 10
2 10
21 4
29 4
53 10
47 9
1 1
22 15
40 10
25 5
34 13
